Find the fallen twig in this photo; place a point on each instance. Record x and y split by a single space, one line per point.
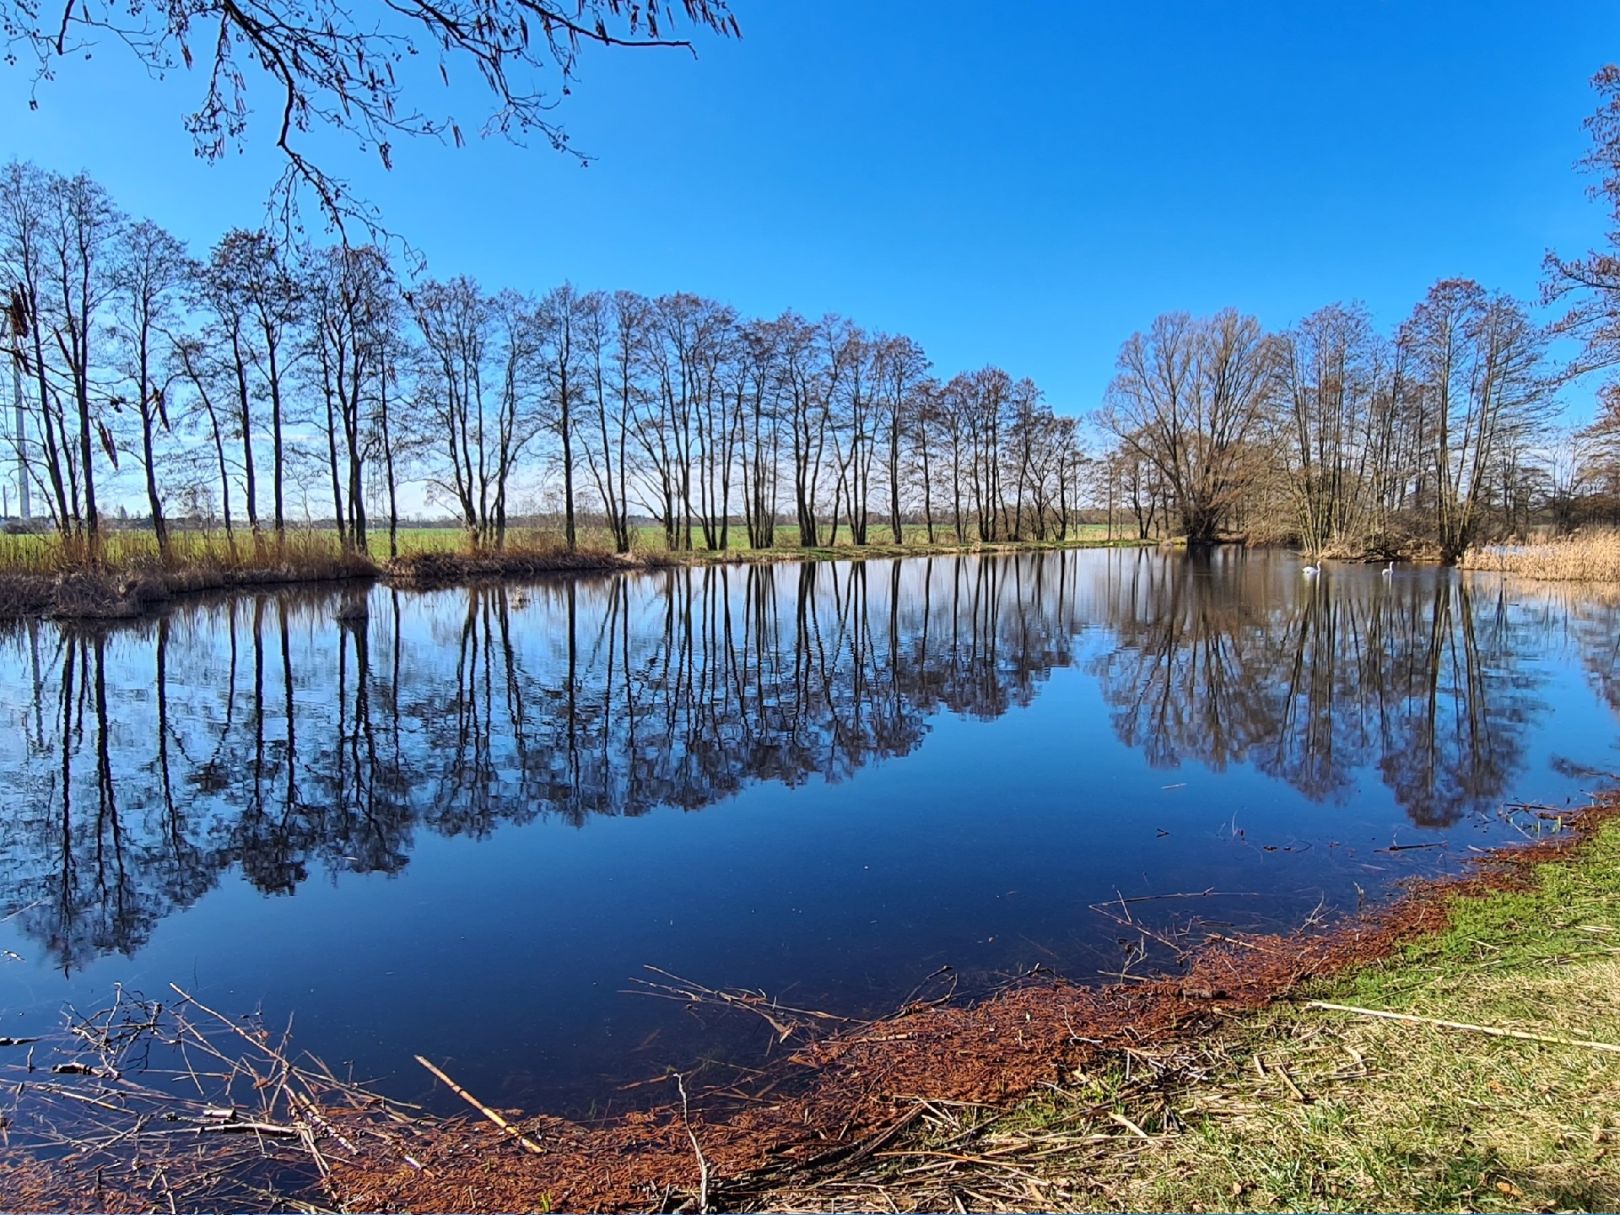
703 1164
1494 1031
483 1109
1130 1126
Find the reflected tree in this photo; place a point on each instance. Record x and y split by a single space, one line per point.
304 732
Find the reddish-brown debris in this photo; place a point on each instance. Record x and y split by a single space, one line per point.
850 1093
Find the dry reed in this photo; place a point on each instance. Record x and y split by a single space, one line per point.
125 574
1586 556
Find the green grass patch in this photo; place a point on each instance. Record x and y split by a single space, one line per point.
1301 1108
1404 1116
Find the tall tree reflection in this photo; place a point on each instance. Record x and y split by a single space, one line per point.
281 734
1229 661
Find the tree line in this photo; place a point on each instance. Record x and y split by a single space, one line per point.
264 383
1333 434
1440 433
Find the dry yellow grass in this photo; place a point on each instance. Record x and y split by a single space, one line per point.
1587 556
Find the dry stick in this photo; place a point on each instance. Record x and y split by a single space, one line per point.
257 1128
1210 893
1132 1127
1294 1090
1493 1031
483 1109
703 1165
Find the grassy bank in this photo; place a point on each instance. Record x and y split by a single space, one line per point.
39 576
1298 1106
1231 1087
1589 556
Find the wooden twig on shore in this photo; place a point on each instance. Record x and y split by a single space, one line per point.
1130 1126
703 1164
483 1109
1494 1031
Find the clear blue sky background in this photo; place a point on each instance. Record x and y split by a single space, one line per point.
1022 184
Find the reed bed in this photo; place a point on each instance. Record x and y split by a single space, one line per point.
136 552
1587 556
126 575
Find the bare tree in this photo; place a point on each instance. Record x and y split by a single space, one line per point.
267 296
1192 396
900 368
759 385
194 366
562 353
149 276
1590 284
82 224
25 208
613 332
350 292
1478 362
1329 380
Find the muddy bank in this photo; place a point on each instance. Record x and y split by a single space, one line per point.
121 594
841 1093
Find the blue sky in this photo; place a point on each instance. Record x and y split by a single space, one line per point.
1019 184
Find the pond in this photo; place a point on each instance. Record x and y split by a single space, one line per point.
464 823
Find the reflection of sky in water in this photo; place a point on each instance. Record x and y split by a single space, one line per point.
448 828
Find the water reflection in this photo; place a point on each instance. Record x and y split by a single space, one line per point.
1421 678
280 734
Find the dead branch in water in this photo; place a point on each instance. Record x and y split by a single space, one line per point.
784 1019
107 1114
483 1109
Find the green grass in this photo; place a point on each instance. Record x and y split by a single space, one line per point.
1435 1118
1300 1108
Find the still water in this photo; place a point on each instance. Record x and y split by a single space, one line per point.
461 823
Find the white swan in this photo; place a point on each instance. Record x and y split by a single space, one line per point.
1310 571
1389 570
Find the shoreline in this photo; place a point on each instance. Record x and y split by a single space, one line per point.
889 1109
91 594
137 589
